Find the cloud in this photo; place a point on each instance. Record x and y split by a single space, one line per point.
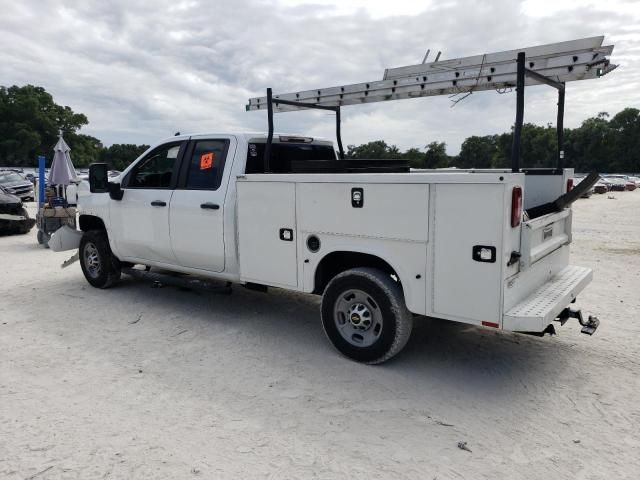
143 70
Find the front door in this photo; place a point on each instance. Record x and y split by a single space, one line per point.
196 215
141 219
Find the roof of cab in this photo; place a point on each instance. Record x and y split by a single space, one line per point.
248 136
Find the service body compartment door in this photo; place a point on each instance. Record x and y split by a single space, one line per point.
267 233
468 229
393 211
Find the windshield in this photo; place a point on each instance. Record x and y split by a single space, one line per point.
10 178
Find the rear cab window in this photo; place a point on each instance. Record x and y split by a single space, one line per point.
282 154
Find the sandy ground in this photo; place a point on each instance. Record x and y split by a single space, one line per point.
137 382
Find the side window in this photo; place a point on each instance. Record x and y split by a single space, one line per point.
156 169
206 165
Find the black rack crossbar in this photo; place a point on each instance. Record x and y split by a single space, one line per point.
522 71
277 101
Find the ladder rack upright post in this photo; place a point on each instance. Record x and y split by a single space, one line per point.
560 127
517 130
267 147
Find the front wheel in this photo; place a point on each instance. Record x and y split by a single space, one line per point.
100 267
364 315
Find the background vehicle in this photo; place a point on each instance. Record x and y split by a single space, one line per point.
16 184
616 184
14 218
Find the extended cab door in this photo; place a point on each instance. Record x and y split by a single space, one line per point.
196 215
140 221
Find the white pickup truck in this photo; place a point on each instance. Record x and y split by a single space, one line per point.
380 243
379 247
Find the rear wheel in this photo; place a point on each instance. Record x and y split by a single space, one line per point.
364 315
100 267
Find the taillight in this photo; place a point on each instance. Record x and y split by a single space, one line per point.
569 185
516 206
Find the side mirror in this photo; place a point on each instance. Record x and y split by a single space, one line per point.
115 191
98 178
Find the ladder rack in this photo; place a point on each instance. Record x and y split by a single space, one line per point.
552 64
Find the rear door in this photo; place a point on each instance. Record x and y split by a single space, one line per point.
196 215
140 221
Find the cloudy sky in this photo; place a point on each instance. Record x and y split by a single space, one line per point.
142 70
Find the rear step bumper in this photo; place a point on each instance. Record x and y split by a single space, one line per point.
543 306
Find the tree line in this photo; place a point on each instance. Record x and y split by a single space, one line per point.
30 122
602 144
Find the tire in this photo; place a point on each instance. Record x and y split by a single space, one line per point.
364 315
100 267
27 224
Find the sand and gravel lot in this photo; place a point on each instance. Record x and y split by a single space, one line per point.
138 382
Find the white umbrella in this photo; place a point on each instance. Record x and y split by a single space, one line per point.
62 171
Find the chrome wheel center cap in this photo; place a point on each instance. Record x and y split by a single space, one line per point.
360 316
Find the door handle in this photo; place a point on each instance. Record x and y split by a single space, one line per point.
158 203
210 206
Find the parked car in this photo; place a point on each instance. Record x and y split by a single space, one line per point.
630 185
14 218
601 187
16 184
617 184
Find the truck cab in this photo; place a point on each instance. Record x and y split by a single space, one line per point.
174 206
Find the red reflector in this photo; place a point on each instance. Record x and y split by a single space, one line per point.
516 206
490 324
569 185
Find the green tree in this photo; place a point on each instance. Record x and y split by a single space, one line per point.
119 156
415 157
477 152
590 147
436 155
30 122
373 150
85 149
624 132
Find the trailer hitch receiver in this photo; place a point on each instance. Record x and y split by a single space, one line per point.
588 326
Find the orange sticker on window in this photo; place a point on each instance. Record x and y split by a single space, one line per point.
206 160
